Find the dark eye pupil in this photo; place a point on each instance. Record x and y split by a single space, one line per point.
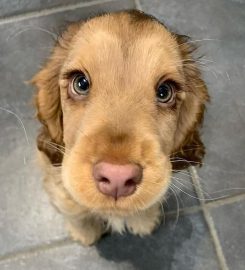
164 92
81 84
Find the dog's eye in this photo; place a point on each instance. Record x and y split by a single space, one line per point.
165 92
80 84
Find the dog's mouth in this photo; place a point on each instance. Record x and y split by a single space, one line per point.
120 189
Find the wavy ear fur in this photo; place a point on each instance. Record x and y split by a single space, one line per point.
47 99
189 149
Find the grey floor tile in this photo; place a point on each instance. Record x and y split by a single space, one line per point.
229 221
181 193
219 27
63 258
184 246
16 7
26 216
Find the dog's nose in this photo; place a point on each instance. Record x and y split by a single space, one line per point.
117 180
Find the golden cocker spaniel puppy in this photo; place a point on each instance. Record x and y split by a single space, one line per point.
120 101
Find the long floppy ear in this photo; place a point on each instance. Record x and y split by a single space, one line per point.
189 149
47 99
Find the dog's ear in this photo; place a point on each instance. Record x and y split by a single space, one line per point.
47 99
189 149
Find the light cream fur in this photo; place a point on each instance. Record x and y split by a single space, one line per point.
124 55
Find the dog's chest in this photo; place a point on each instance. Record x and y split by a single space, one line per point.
117 224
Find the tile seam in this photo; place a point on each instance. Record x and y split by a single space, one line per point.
35 250
138 5
209 220
225 201
184 211
50 11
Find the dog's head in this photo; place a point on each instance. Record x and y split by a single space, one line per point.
120 100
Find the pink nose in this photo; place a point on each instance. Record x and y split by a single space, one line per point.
117 180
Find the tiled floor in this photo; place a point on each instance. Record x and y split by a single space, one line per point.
208 234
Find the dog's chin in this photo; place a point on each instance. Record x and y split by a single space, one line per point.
123 206
87 195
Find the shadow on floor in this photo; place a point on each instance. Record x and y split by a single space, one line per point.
156 251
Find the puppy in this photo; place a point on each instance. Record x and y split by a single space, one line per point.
120 101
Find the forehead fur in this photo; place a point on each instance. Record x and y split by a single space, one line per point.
124 42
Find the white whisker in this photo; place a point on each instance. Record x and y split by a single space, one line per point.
28 28
200 40
177 205
20 121
200 199
186 150
22 125
184 160
188 188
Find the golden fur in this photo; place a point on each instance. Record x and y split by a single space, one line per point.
125 55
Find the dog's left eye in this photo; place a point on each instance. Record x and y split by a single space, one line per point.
80 84
165 92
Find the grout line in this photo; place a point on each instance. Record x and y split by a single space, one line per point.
184 211
138 5
215 239
209 220
225 201
34 251
208 205
49 11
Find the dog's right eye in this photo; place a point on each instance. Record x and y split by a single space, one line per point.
80 85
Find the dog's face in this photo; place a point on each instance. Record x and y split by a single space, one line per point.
123 95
